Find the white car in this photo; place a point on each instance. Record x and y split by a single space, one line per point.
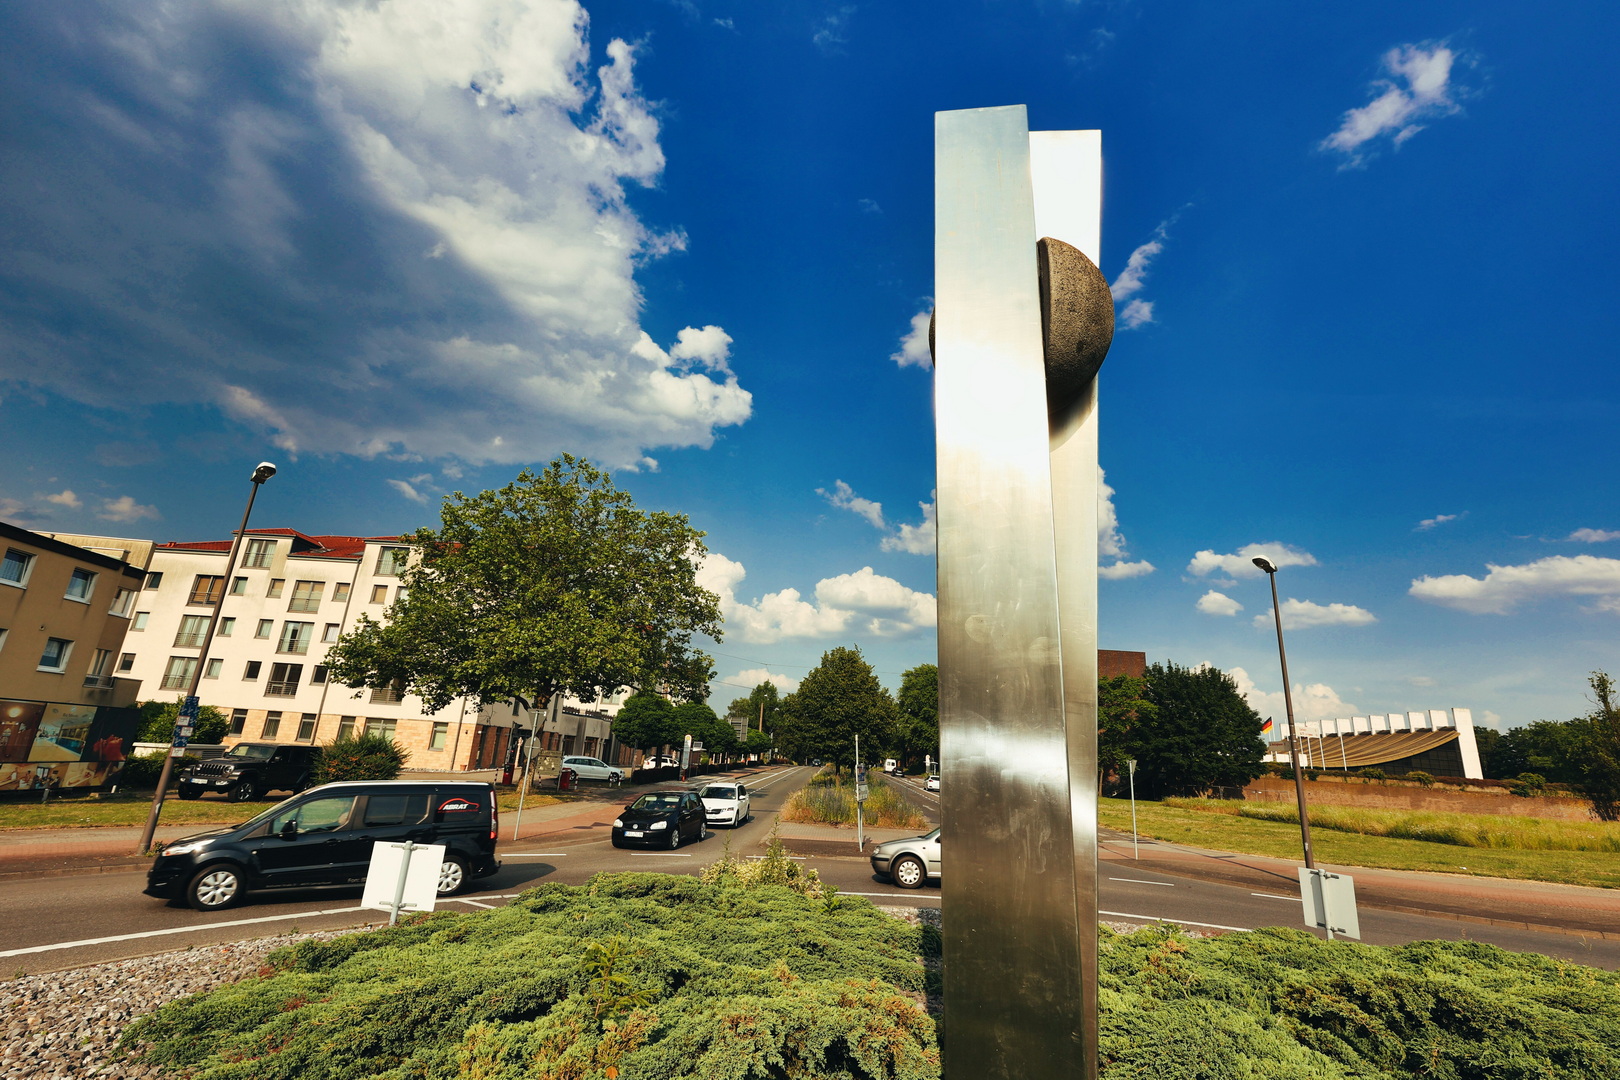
589 768
932 783
725 804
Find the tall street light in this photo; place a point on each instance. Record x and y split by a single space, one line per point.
188 709
1288 699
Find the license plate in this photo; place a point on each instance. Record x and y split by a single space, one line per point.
194 780
629 833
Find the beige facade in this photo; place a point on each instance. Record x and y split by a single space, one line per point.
64 611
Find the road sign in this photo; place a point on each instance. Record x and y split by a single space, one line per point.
1330 902
188 709
403 877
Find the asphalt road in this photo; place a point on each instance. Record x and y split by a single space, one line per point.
49 924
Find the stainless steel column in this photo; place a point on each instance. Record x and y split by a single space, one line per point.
1014 985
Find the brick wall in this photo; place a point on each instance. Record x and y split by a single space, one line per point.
1413 797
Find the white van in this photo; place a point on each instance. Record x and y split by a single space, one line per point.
890 765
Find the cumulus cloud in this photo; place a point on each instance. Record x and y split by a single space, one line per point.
1312 701
752 677
1593 536
1418 88
860 603
1216 603
1305 614
1110 541
394 228
124 509
1138 312
407 489
1504 588
919 539
914 343
1241 563
1439 519
1121 570
843 496
64 498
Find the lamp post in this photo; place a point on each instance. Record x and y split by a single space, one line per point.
1288 700
188 708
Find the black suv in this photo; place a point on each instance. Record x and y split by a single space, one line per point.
324 837
250 770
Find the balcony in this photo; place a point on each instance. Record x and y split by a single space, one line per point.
98 682
295 648
280 689
188 641
389 696
176 682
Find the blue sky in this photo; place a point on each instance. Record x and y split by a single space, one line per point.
1363 258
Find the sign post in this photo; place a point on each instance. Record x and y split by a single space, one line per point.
1329 901
1136 851
403 877
860 798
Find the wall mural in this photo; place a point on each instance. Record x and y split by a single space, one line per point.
48 744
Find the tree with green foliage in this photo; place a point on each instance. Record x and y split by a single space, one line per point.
555 583
1554 749
646 721
1122 705
159 717
696 719
761 707
918 702
838 699
359 757
1600 770
1201 734
759 742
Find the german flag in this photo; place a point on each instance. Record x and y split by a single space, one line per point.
1265 728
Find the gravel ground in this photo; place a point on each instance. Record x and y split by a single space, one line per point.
65 1025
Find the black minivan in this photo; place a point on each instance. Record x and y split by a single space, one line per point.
324 837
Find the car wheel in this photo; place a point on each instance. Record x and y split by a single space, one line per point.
215 888
301 786
675 837
188 792
908 872
452 876
244 791
703 831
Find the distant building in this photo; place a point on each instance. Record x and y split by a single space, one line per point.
66 715
1112 664
1436 741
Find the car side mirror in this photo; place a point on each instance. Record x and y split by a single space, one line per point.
289 830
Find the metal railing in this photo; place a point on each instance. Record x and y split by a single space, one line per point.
176 682
280 689
304 603
98 682
387 696
188 641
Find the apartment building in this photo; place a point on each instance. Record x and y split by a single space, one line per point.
66 714
290 597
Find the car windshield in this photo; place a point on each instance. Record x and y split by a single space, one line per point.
252 753
718 791
656 802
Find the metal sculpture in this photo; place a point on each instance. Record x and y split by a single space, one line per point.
1024 321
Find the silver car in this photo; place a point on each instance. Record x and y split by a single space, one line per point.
589 768
909 863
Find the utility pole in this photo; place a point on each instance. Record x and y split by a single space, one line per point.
1288 699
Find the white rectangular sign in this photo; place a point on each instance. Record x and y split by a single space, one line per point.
1330 902
420 877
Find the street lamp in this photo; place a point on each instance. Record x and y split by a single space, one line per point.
1288 700
188 709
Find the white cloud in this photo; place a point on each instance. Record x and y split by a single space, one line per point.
1110 541
407 489
860 603
914 344
829 33
1439 519
1121 570
1305 614
431 220
1137 313
1505 587
843 496
1312 701
752 677
916 539
1419 88
64 498
1593 536
870 206
125 508
1215 603
1241 565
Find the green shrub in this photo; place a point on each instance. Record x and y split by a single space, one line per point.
366 757
143 770
1373 772
1421 777
776 868
1528 785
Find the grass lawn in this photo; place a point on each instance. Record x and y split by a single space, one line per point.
1225 832
91 813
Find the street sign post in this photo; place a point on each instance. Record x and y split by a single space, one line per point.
1329 901
403 877
1136 851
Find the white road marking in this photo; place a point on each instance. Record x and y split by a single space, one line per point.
533 854
1139 881
795 858
900 895
177 930
660 855
474 903
1270 896
1161 918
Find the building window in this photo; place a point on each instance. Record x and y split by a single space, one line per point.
238 721
81 585
206 589
225 627
283 681
330 634
340 591
295 637
16 567
385 728
379 594
177 675
393 693
126 662
441 730
140 620
345 727
215 666
265 627
259 553
306 596
238 586
192 630
272 725
400 594
391 561
318 676
100 674
306 727
251 672
274 590
3 633
123 599
154 580
54 658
